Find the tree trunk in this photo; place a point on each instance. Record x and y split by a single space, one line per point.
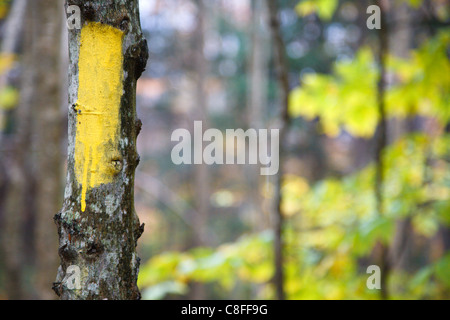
201 171
283 83
257 103
98 227
47 138
400 44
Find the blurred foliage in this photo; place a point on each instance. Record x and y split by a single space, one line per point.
333 229
348 97
423 81
6 62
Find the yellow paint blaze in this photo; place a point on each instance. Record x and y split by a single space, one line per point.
100 70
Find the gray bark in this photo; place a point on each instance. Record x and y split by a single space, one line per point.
102 240
47 136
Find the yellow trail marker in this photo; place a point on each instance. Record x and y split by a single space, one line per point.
100 70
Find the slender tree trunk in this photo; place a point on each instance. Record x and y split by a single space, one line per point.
282 74
400 43
381 142
47 137
98 227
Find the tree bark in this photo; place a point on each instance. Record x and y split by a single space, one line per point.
98 227
283 82
47 137
201 171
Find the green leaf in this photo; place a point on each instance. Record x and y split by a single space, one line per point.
9 97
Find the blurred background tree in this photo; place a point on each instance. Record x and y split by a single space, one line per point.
210 229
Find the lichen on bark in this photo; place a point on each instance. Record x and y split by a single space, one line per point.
98 227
